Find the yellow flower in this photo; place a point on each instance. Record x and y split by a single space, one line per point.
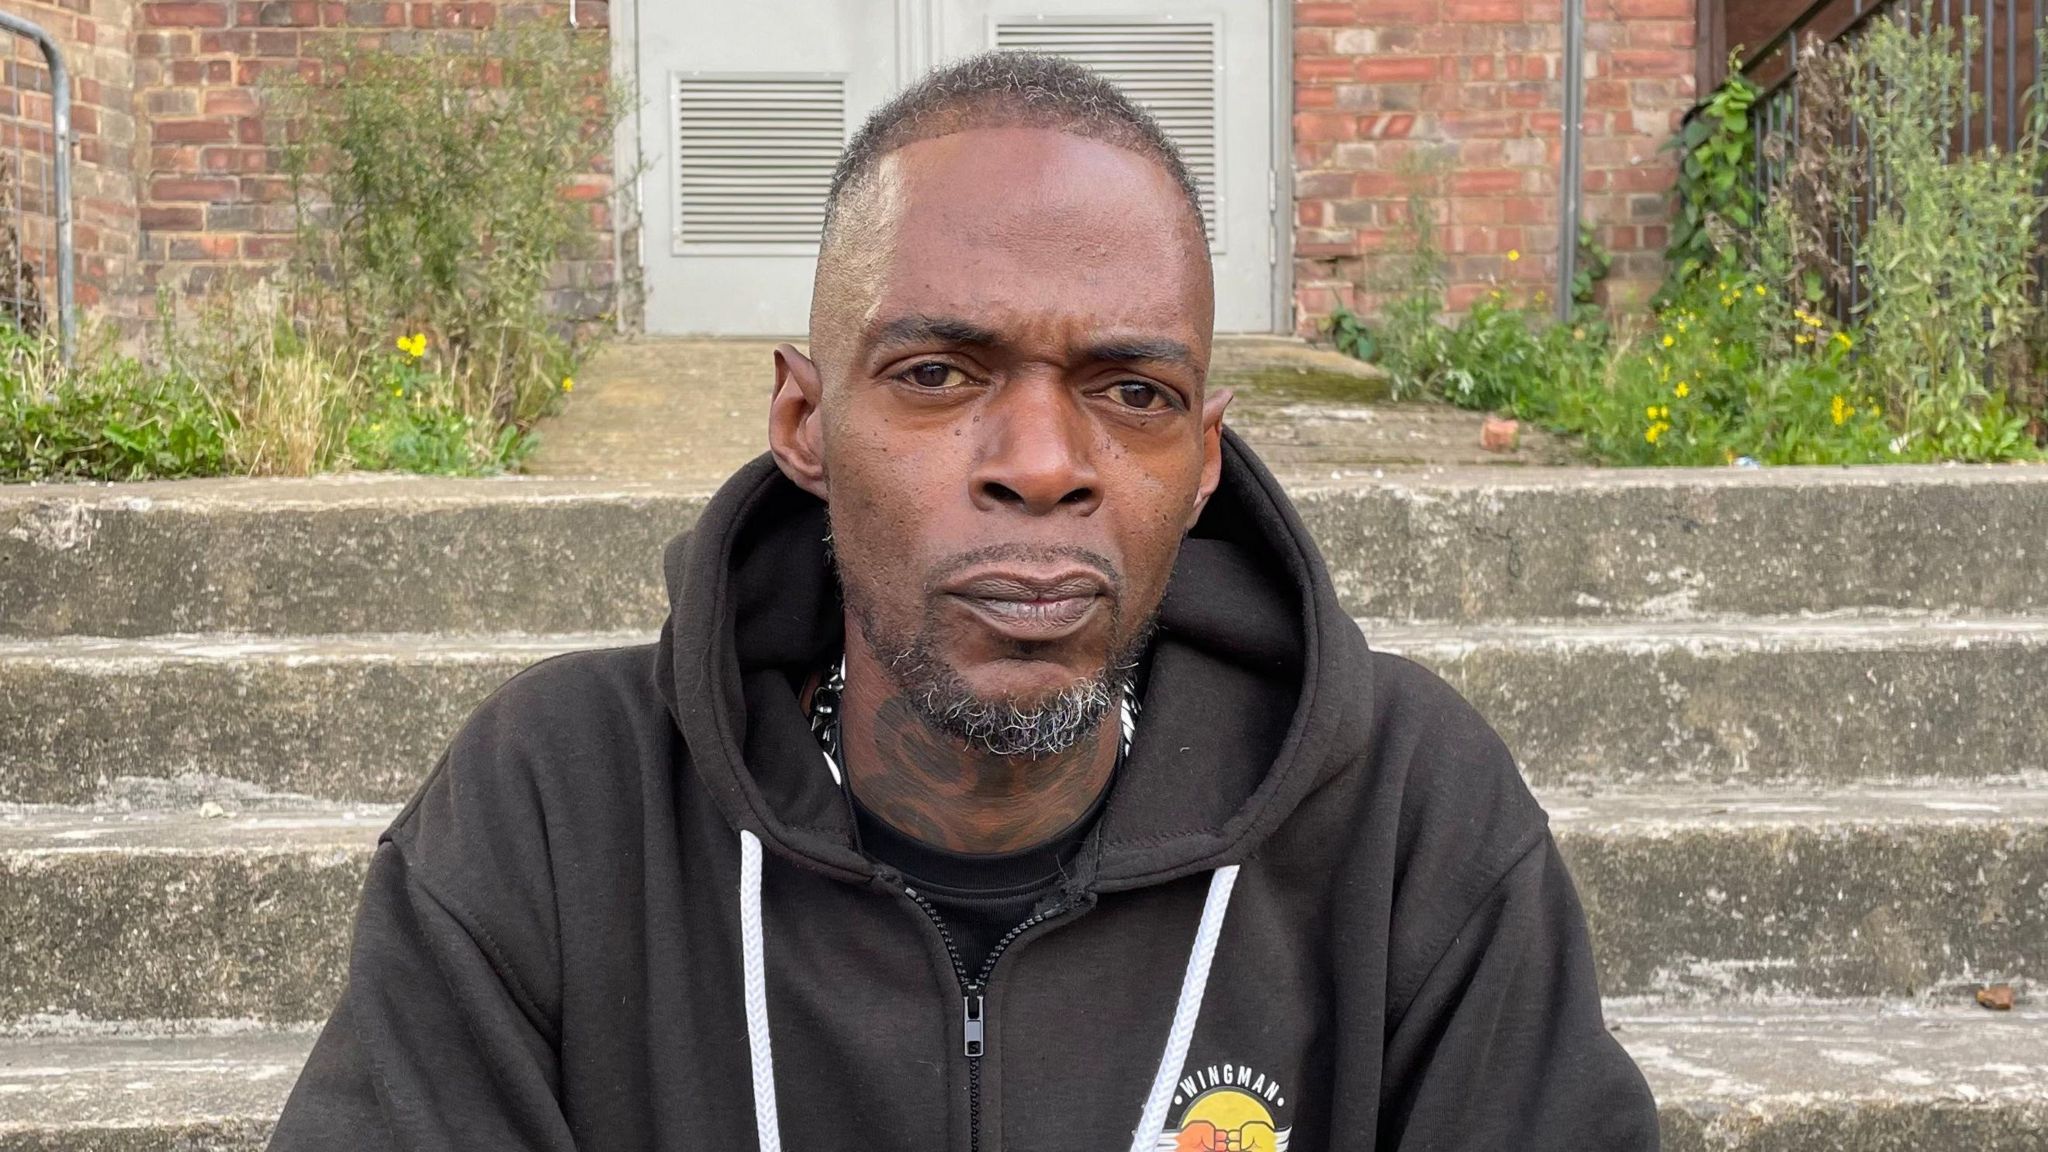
1664 413
1514 254
1724 285
1843 339
1650 413
1760 290
398 391
414 345
1841 410
1682 391
568 384
1667 341
1802 338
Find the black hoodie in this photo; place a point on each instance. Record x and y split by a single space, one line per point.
1319 910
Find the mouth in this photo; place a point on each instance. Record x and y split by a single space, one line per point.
1032 606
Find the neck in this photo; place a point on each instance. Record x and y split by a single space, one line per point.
932 787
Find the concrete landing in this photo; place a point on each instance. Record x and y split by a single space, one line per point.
695 410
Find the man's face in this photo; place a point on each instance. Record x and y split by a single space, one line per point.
1008 419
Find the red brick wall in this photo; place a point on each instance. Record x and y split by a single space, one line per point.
177 170
95 36
1480 83
213 196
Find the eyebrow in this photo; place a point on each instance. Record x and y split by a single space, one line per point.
922 329
926 329
1139 350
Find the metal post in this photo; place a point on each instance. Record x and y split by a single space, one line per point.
2012 79
1574 112
60 147
1990 70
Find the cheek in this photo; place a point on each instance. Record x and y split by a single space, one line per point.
880 496
1155 520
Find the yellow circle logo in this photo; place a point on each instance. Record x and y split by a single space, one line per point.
1226 1120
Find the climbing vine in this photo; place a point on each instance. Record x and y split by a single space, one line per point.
1716 182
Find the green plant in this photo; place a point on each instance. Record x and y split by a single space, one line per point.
1948 247
439 192
1407 337
1496 358
1716 189
108 418
1593 263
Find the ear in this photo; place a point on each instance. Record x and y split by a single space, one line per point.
796 433
1213 405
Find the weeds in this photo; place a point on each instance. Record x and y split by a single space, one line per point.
1746 354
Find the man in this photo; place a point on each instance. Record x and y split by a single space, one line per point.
1007 774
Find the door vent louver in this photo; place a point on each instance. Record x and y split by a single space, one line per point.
1167 67
754 157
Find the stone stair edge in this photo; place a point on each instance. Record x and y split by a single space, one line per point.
1746 1067
282 822
342 490
1861 627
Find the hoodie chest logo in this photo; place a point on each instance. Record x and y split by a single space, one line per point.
1227 1108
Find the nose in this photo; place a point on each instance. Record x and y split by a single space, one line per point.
1037 452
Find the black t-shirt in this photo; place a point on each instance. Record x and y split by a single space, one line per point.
979 897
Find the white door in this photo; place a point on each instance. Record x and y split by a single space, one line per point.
1204 69
747 106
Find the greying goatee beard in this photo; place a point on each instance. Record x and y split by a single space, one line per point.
1028 730
1047 726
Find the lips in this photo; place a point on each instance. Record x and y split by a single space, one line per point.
1032 605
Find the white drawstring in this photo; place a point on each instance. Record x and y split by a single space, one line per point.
767 1129
1152 1122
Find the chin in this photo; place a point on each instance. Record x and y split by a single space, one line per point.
1023 684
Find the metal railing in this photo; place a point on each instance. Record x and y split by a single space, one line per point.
35 183
2000 74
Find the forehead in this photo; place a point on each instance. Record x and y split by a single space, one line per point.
1033 228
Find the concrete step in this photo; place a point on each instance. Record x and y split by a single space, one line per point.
1692 896
183 915
345 717
1798 1077
532 555
1702 894
1636 703
1751 701
1795 1078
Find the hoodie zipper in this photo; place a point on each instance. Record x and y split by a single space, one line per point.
972 999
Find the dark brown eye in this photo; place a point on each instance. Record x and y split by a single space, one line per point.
1138 394
933 375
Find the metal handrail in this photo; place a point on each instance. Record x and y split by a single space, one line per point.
60 129
1788 37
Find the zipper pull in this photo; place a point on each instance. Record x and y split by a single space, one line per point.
970 1012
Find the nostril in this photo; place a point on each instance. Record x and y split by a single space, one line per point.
1078 496
1001 493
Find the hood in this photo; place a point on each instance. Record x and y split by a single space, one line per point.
1257 690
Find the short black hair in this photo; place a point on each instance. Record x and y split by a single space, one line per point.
1008 90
